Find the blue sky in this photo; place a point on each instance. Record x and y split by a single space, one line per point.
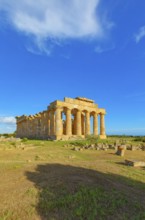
50 49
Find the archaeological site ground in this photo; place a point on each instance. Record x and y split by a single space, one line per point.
72 180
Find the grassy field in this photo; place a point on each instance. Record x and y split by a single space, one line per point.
48 180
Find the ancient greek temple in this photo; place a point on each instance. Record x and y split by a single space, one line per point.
63 120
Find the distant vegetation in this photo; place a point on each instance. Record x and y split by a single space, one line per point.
7 135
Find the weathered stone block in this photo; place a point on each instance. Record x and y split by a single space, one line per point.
135 163
121 150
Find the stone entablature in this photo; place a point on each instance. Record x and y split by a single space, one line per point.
63 120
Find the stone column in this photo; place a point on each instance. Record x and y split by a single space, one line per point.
58 122
72 121
24 129
78 123
95 124
87 124
83 124
48 126
74 124
29 127
33 128
52 117
68 122
18 131
102 126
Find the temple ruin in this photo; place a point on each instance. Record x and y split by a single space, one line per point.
63 120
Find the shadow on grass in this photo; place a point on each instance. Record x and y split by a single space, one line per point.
71 193
121 163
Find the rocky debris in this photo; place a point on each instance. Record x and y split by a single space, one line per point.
10 139
143 147
98 146
106 146
71 157
111 146
76 149
132 148
66 145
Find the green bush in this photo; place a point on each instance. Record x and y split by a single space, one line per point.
24 139
139 139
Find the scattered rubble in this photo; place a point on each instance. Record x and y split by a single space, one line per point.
10 139
119 148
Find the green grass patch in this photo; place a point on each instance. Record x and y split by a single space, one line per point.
89 203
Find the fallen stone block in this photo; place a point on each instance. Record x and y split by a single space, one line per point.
121 150
135 163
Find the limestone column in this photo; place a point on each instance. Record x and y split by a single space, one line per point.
33 128
87 123
68 122
52 117
102 126
29 127
48 124
58 122
72 121
95 124
18 131
24 129
74 124
78 123
83 124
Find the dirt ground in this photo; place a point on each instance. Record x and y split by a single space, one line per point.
28 169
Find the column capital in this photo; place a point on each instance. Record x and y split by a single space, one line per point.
68 109
102 113
58 108
96 114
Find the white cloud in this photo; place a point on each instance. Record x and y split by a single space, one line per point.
54 19
101 49
8 120
7 124
140 34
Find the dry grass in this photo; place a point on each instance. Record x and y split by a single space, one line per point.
44 180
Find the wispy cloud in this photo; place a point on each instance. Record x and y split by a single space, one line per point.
54 20
140 35
8 120
101 49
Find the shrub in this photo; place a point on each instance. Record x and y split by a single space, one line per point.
24 139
